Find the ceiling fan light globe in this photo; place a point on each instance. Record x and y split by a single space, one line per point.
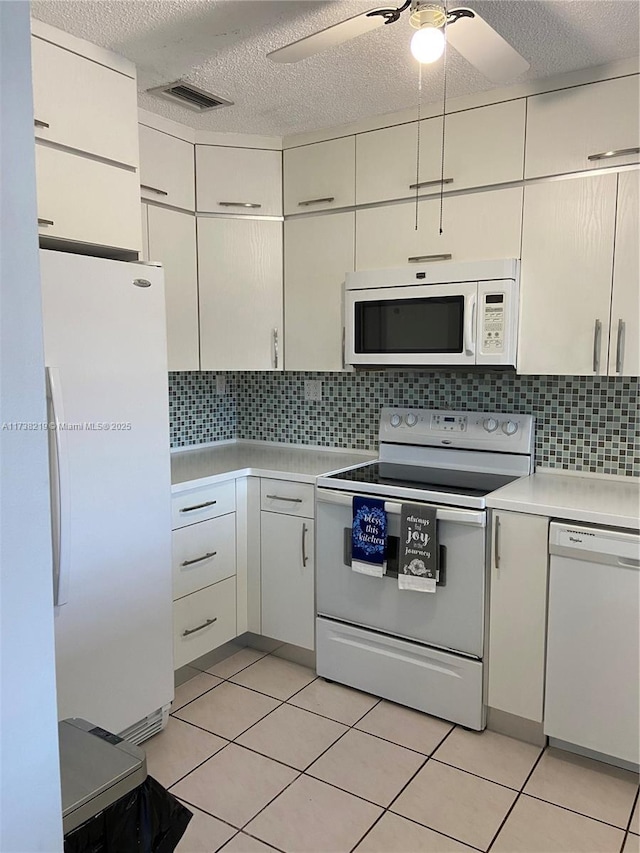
427 44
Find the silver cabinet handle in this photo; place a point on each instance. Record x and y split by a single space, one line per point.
45 221
153 189
199 559
206 624
597 334
344 347
275 349
421 184
304 545
496 542
38 123
619 152
418 259
278 498
310 201
197 506
249 204
620 346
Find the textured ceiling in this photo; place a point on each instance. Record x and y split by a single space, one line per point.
221 45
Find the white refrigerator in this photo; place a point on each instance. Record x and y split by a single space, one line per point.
106 360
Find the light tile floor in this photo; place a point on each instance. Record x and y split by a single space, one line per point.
269 757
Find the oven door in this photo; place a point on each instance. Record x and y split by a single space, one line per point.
451 618
413 325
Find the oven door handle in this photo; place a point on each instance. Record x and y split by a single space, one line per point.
477 518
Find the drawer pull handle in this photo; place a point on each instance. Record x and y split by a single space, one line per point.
422 184
153 189
620 152
197 506
248 204
305 558
45 221
206 624
38 123
290 500
199 559
418 259
310 201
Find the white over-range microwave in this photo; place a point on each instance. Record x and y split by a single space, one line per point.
441 314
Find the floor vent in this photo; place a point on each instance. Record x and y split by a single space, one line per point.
190 96
147 727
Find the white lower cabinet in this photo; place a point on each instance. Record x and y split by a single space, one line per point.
518 612
287 575
240 280
203 621
477 226
203 554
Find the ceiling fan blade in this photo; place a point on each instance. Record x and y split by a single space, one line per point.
329 37
484 48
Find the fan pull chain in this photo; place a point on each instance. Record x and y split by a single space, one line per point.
418 143
444 123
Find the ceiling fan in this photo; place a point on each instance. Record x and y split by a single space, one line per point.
462 28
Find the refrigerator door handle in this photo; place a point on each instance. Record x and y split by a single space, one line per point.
59 489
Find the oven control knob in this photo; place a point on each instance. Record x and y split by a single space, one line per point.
490 424
395 420
509 427
411 420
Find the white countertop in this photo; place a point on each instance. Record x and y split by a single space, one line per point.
202 466
591 499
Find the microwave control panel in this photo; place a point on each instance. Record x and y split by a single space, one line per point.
493 322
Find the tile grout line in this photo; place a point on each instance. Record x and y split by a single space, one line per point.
628 829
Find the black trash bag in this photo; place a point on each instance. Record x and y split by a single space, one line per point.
147 820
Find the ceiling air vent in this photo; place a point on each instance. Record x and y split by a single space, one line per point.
190 96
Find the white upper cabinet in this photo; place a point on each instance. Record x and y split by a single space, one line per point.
85 201
319 176
483 146
565 289
318 252
479 226
172 241
624 345
569 130
238 180
84 105
166 169
240 278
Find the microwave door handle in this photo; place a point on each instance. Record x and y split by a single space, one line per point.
470 326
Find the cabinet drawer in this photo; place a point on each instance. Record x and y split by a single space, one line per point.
286 497
566 128
86 201
166 169
203 621
200 504
238 180
203 554
320 176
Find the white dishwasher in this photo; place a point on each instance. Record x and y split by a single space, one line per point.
593 644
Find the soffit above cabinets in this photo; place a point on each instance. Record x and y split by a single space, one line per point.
221 46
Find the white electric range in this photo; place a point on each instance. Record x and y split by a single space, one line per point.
419 649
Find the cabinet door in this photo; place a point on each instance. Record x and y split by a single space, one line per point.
172 240
624 346
517 622
238 180
483 146
166 168
83 104
286 556
318 252
240 275
567 127
86 201
565 288
480 226
320 176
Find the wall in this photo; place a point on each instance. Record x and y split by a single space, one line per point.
30 810
582 423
